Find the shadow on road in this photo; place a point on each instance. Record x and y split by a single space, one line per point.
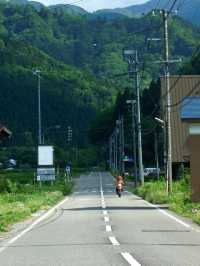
116 208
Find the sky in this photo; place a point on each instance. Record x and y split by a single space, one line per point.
92 5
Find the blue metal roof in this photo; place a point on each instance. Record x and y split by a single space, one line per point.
190 108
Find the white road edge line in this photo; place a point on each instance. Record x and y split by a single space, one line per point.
169 215
127 256
108 228
29 228
114 241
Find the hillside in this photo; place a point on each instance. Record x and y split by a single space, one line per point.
69 9
188 10
69 96
81 59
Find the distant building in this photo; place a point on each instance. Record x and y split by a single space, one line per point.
180 87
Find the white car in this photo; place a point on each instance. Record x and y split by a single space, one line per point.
150 171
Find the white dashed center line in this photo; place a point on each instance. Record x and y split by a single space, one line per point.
108 228
114 241
129 258
106 219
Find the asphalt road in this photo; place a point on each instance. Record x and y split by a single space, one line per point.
94 227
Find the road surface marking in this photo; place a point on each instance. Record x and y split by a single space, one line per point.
29 228
108 228
169 215
105 212
127 256
106 219
174 218
114 241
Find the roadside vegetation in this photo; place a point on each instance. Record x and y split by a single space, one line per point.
21 195
179 201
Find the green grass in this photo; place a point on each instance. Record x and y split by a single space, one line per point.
20 196
179 200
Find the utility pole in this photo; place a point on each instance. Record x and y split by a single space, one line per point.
110 152
168 103
116 149
37 72
156 155
123 144
119 133
132 56
133 102
113 151
140 159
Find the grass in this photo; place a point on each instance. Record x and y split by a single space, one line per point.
20 196
179 200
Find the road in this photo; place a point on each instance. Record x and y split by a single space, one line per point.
94 227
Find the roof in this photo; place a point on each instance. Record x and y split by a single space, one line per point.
5 132
190 108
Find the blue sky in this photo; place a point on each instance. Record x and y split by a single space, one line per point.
92 5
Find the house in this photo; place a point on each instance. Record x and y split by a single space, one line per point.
4 132
190 114
180 88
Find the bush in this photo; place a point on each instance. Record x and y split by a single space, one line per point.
7 186
66 189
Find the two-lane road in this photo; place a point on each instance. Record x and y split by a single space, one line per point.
95 227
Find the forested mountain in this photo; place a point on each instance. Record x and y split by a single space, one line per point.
81 61
188 10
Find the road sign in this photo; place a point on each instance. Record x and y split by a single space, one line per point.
46 174
127 159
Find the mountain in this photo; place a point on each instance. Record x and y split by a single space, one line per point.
15 2
81 61
69 9
188 10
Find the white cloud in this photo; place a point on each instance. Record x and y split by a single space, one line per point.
92 5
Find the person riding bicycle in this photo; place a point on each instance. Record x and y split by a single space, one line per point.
119 183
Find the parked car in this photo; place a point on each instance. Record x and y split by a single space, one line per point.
151 172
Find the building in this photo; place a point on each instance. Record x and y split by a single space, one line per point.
190 114
4 132
180 87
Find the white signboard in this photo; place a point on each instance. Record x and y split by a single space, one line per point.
45 155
